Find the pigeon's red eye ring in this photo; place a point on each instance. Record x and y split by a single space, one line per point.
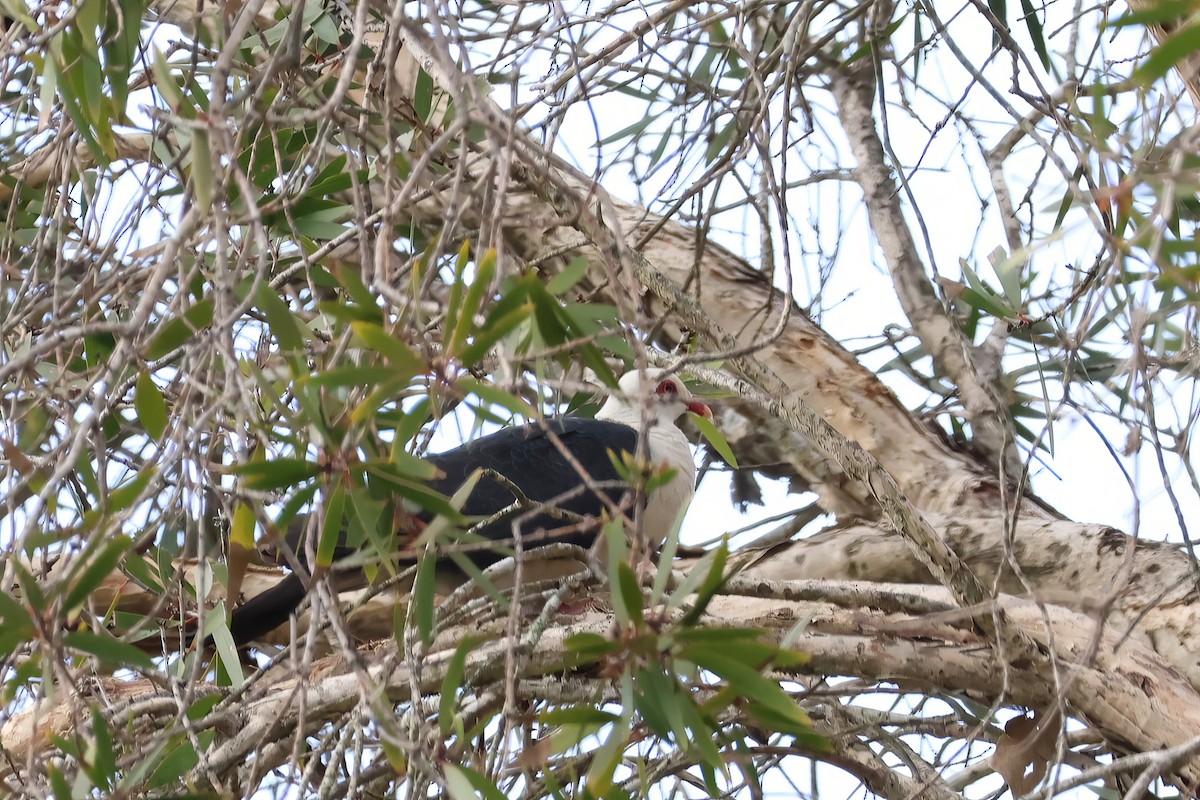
667 387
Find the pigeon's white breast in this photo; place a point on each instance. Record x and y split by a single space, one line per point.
669 447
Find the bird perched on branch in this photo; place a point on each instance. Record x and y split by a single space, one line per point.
565 471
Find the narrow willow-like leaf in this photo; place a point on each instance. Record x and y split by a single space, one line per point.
452 682
107 648
151 406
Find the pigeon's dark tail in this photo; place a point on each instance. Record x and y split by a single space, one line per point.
262 613
265 612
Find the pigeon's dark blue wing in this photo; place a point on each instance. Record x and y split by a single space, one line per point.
529 458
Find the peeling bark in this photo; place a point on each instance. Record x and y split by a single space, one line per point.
1116 685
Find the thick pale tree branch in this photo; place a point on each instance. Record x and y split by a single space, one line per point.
47 163
1116 684
1146 588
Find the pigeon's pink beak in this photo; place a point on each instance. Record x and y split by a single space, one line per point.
699 409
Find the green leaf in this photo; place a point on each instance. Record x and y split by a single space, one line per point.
590 646
364 299
608 756
98 568
365 523
384 392
172 334
721 636
688 586
241 530
167 86
493 332
789 723
569 736
1065 205
108 649
1155 13
275 473
702 738
203 705
418 492
88 17
454 302
720 141
547 315
458 784
79 86
423 93
472 301
628 87
462 783
1034 26
745 678
345 313
100 759
664 142
658 698
714 579
216 623
627 600
999 9
122 34
481 581
397 353
987 302
1008 269
142 572
453 681
633 129
869 47
294 504
618 547
497 397
317 18
288 330
335 178
176 763
20 12
332 527
17 627
424 589
666 558
702 72
570 275
58 783
1175 48
713 436
577 715
127 494
408 464
979 295
203 171
151 406
323 223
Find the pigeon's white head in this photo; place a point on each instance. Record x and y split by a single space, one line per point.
661 398
652 401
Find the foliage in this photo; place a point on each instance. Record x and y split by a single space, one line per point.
251 272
